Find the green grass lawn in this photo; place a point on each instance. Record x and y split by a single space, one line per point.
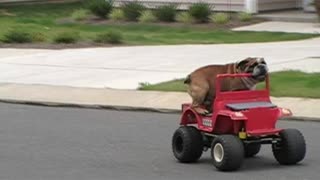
45 19
283 84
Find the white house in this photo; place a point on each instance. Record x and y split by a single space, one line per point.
36 1
252 6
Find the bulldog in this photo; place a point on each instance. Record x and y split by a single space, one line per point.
201 82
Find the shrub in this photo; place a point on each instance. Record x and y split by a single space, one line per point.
38 37
143 85
111 37
220 18
17 36
147 16
243 16
132 10
67 37
184 17
166 13
200 11
100 8
80 14
117 15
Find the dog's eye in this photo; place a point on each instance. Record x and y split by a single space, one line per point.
254 65
263 62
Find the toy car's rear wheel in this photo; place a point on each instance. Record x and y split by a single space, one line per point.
227 152
251 149
291 149
187 144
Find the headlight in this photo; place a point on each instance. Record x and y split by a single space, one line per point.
285 111
238 114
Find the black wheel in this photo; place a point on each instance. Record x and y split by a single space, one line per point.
251 150
227 152
291 149
187 144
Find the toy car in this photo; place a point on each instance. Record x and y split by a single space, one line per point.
240 123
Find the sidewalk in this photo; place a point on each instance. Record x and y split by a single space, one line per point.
303 109
289 16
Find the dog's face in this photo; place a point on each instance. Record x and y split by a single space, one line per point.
255 66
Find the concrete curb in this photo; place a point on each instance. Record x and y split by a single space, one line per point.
90 106
301 118
131 100
127 108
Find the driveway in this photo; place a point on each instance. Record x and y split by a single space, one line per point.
126 67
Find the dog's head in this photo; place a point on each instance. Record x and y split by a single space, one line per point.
255 66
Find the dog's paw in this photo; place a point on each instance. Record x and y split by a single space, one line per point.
201 111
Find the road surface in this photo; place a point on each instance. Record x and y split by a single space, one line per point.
42 143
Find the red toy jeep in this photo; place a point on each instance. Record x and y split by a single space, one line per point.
241 121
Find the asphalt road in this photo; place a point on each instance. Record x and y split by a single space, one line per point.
42 143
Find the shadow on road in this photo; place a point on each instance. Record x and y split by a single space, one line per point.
258 163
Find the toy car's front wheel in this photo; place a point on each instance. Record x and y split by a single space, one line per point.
227 152
187 144
291 149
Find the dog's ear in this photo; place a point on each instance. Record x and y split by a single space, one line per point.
262 61
242 64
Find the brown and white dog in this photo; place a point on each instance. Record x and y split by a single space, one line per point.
201 82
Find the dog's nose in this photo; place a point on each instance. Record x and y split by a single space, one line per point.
260 70
263 69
